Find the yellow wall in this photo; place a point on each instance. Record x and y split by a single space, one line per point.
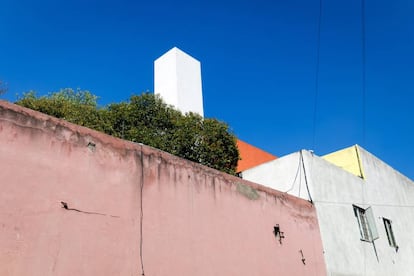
347 159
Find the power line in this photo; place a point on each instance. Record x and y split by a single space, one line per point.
363 46
306 179
318 50
296 176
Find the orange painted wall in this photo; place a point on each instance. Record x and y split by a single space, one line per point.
251 156
132 206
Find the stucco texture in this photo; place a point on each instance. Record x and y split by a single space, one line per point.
131 207
334 191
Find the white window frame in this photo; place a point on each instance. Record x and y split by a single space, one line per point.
366 223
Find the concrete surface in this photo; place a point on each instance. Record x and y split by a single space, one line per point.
130 207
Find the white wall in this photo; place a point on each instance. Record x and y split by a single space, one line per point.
333 190
284 174
177 79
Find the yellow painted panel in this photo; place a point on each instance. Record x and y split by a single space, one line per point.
347 159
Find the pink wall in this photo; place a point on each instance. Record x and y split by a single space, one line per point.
195 220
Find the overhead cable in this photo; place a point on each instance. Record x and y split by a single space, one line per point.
318 50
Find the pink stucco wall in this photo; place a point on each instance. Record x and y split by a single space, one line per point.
194 220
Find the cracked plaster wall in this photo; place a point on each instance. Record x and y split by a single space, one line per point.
195 220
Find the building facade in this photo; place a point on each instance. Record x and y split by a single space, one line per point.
365 208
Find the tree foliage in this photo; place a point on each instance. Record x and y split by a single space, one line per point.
146 119
78 107
3 88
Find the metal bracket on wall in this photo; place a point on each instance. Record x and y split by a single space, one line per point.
303 258
278 233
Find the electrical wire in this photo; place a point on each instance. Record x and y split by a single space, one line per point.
318 51
296 176
363 48
300 179
306 179
363 53
301 166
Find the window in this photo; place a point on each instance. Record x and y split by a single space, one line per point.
367 227
390 233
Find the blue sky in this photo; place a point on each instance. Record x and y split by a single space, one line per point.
258 64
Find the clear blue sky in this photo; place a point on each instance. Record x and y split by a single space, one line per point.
258 64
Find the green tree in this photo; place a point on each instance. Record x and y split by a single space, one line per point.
145 119
78 107
148 120
3 88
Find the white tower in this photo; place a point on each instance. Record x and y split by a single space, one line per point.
177 79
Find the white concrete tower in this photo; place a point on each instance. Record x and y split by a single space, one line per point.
177 79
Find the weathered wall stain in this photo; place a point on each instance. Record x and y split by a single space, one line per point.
194 220
247 191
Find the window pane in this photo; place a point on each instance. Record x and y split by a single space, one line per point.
366 223
390 233
362 223
371 223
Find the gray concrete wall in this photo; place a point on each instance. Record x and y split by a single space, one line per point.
334 191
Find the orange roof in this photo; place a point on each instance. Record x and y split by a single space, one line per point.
251 156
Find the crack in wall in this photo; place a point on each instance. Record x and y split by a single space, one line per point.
141 215
66 206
